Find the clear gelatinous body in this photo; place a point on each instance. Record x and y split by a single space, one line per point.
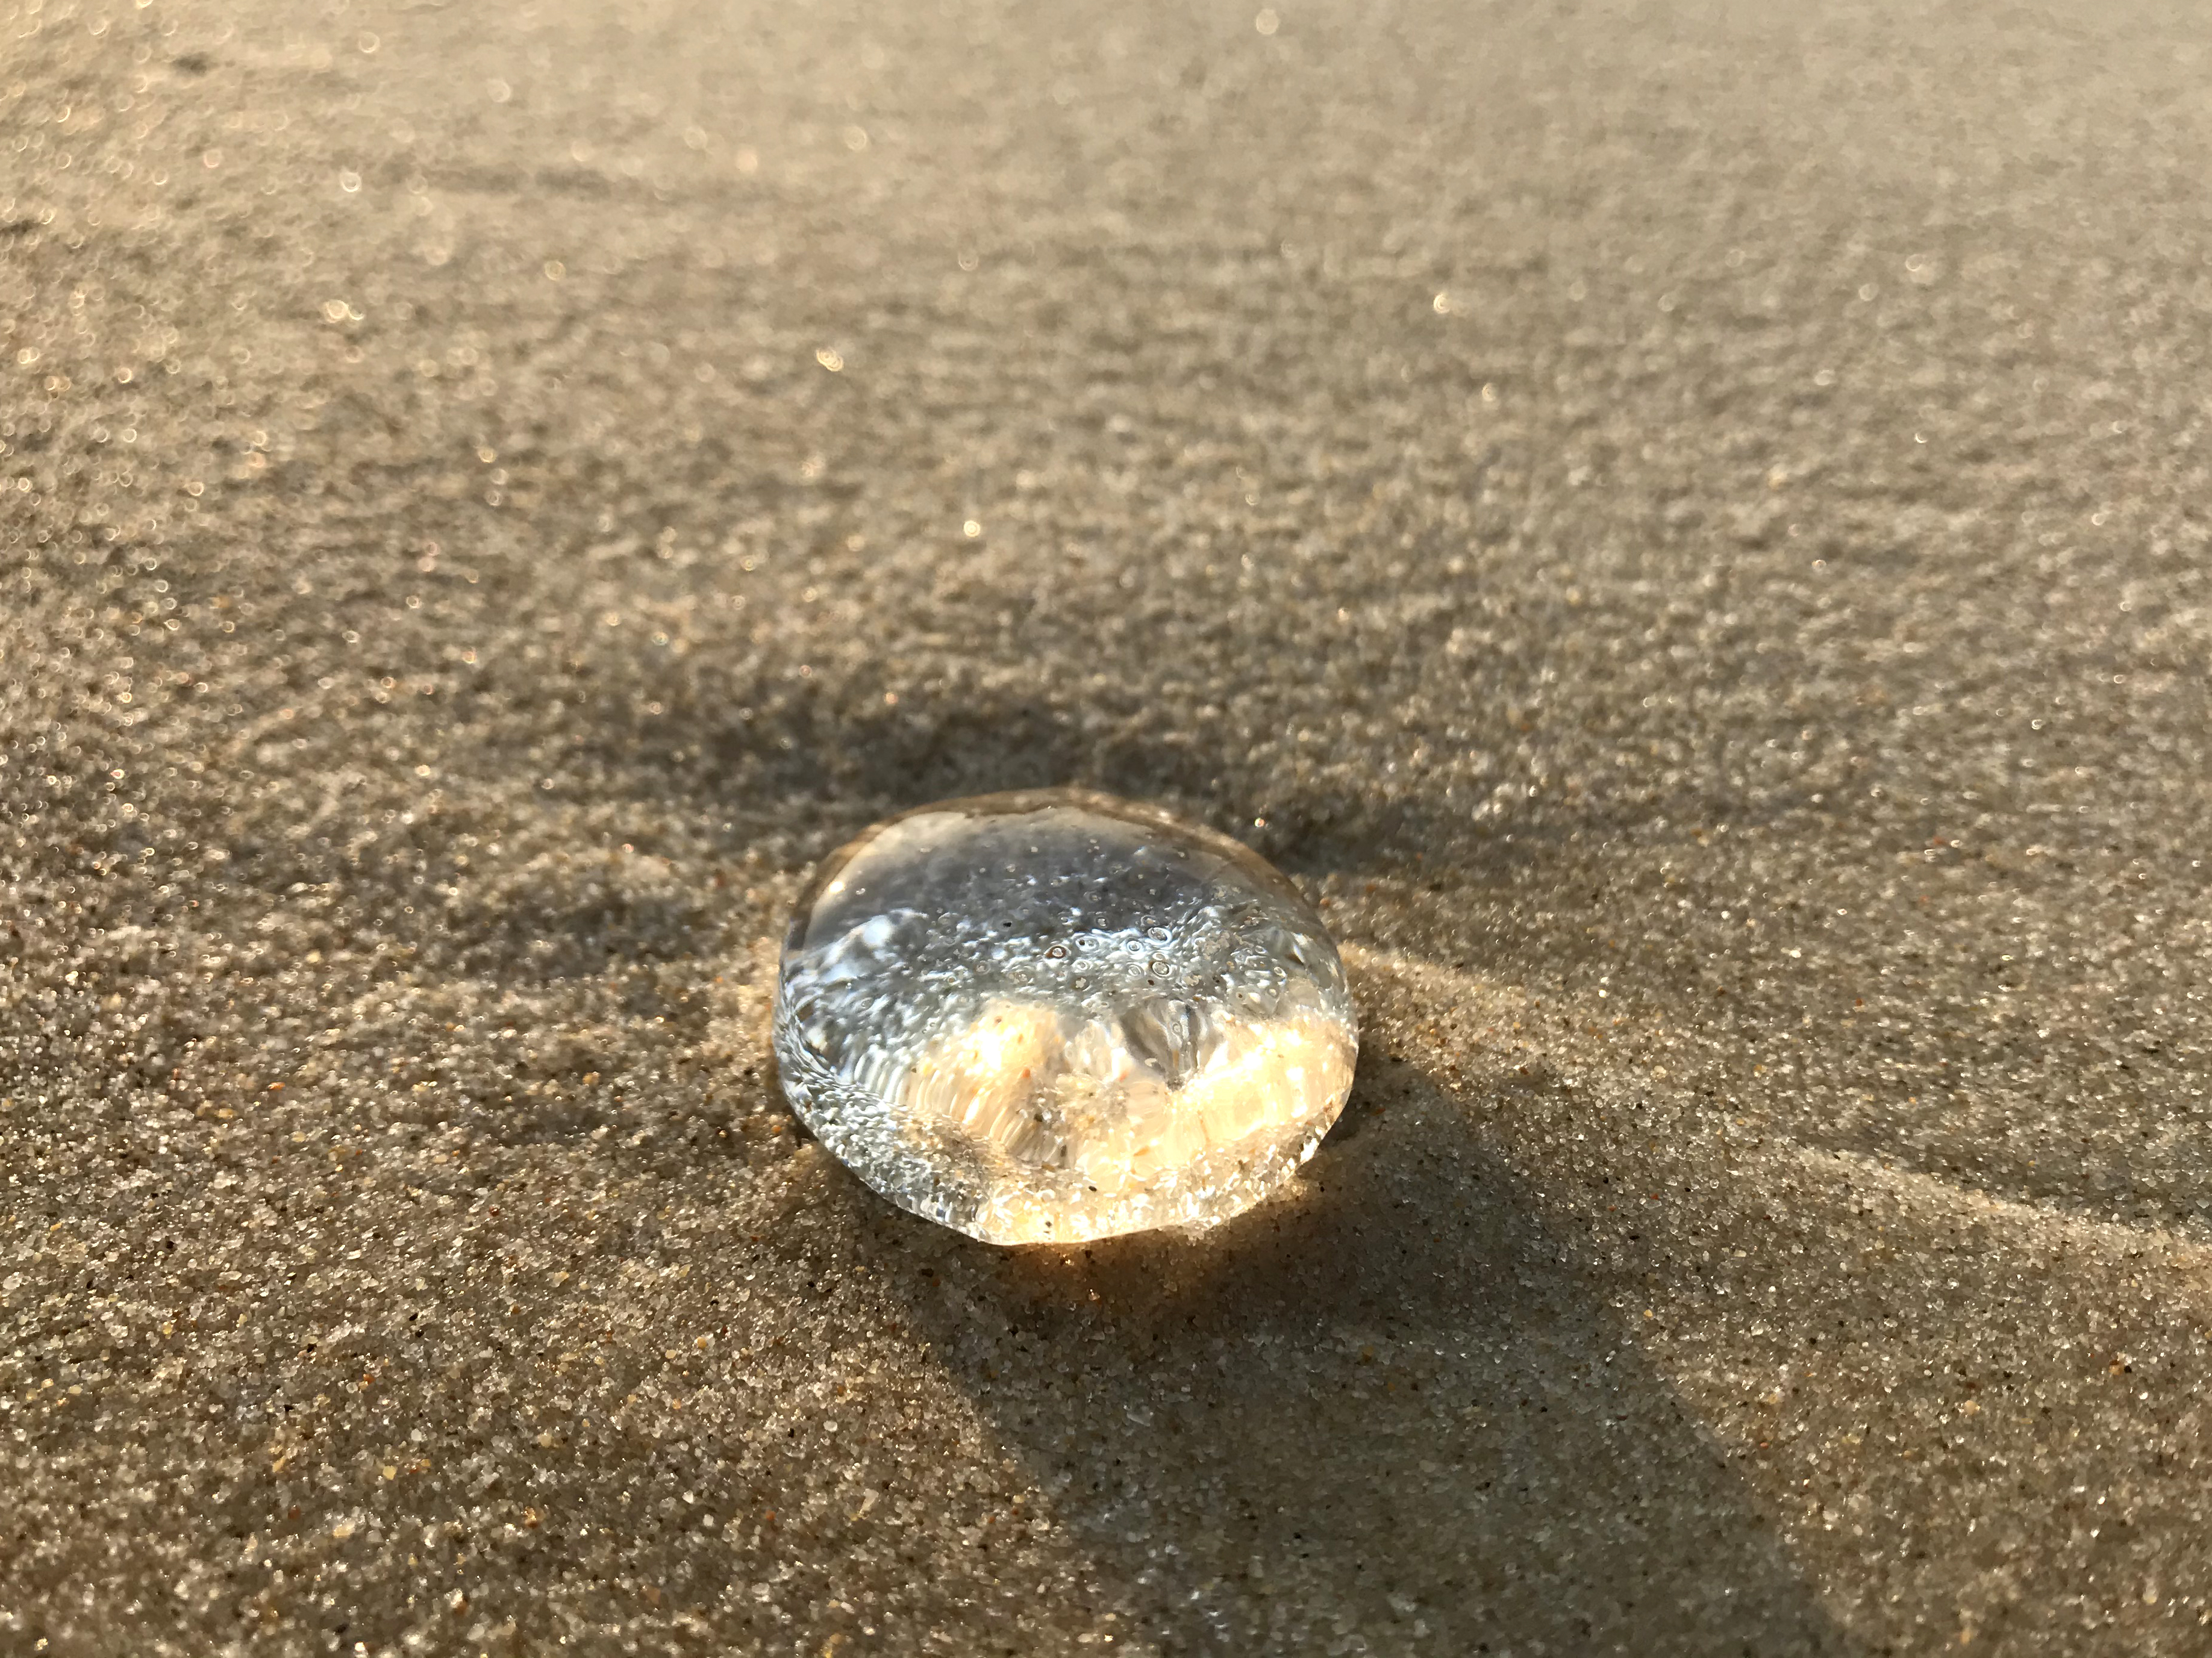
1054 1016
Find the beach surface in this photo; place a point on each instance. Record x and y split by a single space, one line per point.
1684 529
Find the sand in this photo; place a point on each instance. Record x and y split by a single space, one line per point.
1684 528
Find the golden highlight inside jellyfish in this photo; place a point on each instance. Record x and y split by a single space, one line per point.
1078 1123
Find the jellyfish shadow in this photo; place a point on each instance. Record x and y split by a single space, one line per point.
1387 1411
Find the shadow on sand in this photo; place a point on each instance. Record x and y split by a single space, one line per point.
1385 1411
